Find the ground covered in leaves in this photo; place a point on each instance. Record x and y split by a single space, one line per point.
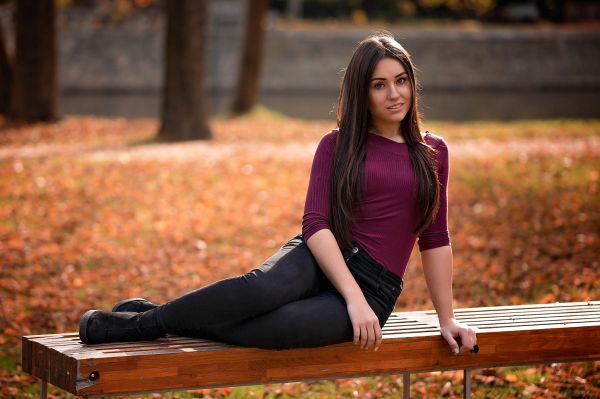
93 211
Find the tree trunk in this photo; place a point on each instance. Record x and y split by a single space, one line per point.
183 102
5 73
34 92
246 91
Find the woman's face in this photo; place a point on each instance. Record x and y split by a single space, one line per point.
390 94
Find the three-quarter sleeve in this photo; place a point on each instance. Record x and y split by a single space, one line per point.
437 234
317 206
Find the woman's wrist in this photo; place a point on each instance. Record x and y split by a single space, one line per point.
353 295
446 320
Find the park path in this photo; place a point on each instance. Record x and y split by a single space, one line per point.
217 151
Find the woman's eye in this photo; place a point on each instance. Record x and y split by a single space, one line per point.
401 81
378 85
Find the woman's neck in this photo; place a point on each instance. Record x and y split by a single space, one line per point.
391 132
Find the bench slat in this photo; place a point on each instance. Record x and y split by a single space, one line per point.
528 307
529 316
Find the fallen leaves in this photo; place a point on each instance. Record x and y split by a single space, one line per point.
91 212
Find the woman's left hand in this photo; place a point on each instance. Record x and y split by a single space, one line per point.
452 329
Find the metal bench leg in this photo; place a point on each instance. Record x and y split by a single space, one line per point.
43 389
406 385
467 384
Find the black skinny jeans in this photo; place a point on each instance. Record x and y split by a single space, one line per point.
287 302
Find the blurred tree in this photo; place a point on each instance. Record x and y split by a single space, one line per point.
470 8
553 10
488 10
246 91
183 99
5 73
460 8
294 9
34 95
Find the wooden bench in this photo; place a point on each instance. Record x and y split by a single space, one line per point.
507 335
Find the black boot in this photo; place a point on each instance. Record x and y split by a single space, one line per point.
97 327
133 305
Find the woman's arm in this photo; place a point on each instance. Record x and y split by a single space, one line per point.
365 323
437 266
322 244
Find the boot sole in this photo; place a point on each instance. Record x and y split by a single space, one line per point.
84 323
124 301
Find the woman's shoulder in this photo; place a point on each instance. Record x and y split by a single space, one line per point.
332 134
326 145
329 138
434 140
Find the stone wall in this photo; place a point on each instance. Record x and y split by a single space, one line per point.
128 56
501 59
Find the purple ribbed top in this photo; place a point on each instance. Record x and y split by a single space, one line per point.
385 216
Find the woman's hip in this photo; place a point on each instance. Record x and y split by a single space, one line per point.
380 286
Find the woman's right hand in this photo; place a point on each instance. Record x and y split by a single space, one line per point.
365 324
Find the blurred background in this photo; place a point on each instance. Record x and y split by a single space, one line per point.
477 60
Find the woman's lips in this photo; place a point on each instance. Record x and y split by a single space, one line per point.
395 107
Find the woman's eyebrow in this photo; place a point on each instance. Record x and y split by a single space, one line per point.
397 76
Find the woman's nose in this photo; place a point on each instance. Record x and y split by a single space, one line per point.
394 92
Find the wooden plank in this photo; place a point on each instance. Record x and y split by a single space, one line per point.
538 320
582 307
508 323
483 320
534 306
39 361
544 316
538 327
547 313
236 366
538 308
49 364
27 355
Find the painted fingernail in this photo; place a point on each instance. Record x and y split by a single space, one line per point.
455 351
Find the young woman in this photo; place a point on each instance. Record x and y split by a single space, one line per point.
377 185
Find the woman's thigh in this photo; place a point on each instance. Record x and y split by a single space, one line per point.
319 320
289 275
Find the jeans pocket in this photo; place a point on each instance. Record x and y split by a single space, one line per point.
378 305
389 295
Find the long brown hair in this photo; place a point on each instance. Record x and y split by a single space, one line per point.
354 120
